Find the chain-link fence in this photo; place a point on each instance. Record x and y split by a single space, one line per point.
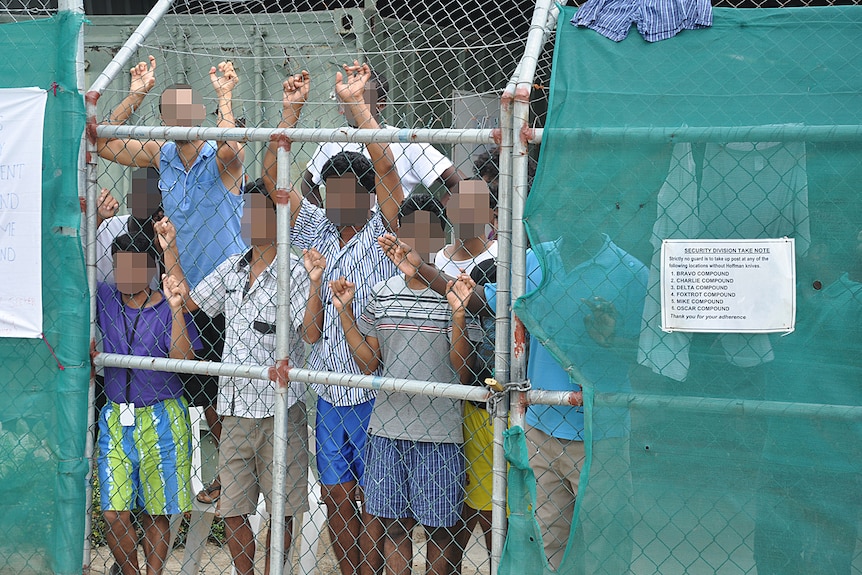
688 427
373 473
250 371
43 303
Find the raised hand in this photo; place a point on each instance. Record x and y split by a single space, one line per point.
143 77
227 81
315 264
458 292
175 290
601 324
350 86
295 93
405 258
342 293
166 233
107 205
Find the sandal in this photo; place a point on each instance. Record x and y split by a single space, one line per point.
210 493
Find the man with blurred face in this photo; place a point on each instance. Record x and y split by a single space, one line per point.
475 225
415 467
347 202
144 205
201 183
346 238
144 432
244 288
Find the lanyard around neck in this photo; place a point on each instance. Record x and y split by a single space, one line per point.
129 333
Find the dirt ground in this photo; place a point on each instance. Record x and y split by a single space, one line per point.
216 559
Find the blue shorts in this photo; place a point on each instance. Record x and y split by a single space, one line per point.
340 435
415 479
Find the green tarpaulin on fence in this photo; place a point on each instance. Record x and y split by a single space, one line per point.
44 408
745 449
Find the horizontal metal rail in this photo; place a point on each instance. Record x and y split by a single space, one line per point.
726 406
402 135
714 405
718 134
436 389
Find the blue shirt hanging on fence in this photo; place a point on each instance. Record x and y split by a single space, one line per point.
656 19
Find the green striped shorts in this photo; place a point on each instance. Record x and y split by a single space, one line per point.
146 466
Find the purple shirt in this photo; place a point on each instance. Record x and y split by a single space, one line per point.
132 331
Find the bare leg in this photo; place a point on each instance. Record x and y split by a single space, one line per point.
371 544
213 422
443 551
288 538
398 545
345 526
122 540
157 535
240 542
470 518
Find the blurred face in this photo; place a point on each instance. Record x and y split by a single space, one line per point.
182 107
370 97
258 220
133 272
145 199
347 203
470 210
422 231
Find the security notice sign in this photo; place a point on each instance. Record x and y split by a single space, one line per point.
22 115
728 286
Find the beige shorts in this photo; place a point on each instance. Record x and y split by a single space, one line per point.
246 454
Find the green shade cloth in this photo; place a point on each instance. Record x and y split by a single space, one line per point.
745 450
44 408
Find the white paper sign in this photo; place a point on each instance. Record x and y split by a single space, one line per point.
22 115
728 286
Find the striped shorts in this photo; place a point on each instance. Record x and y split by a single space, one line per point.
415 479
146 466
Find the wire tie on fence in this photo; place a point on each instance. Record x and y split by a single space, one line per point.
51 349
54 86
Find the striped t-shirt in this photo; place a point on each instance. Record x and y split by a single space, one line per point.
414 328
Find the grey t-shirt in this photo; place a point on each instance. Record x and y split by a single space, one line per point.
413 328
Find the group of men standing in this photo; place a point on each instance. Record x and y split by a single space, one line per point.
361 298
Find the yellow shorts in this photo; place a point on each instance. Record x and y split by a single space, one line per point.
479 453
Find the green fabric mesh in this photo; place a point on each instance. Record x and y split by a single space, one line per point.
745 451
44 408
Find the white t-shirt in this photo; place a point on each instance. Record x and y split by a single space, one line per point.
108 230
453 267
416 163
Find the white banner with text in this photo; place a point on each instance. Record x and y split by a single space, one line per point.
22 115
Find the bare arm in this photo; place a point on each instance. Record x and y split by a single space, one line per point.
310 191
294 95
350 88
106 207
230 155
130 152
174 278
461 352
365 348
312 321
411 264
181 344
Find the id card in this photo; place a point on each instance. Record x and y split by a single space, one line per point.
127 414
